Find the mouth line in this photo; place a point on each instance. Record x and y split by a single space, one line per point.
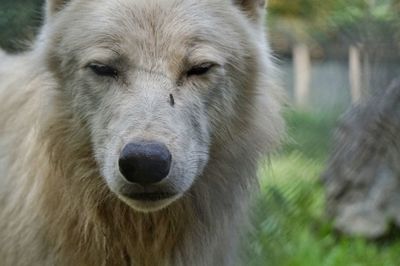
151 196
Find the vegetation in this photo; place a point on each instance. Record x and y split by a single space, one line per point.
18 22
291 227
310 18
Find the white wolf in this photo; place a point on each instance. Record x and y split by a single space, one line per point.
130 133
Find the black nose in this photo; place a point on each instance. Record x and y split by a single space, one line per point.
145 162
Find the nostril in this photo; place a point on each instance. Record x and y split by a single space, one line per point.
145 162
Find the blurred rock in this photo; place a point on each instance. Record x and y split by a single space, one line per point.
362 180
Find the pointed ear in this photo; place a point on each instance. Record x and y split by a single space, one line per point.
53 6
253 8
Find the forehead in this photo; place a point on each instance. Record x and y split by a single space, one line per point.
154 28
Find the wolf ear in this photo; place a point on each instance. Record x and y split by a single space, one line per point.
53 6
253 8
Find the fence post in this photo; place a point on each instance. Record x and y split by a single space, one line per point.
302 70
355 73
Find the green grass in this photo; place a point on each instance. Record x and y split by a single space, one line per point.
291 228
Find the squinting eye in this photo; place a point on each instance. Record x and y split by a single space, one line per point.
200 69
103 70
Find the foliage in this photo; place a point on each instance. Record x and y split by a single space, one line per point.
18 21
291 229
305 20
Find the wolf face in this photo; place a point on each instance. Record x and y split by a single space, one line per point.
155 83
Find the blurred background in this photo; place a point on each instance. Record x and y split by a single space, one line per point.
333 54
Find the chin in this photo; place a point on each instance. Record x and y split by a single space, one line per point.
149 205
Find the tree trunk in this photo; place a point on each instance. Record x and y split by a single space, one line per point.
355 73
302 70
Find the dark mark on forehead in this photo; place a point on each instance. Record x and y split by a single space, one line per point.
171 100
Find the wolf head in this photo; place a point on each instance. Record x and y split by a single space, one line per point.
156 83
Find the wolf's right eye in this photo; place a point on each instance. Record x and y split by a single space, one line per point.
103 70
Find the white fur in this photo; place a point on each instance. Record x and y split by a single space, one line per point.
63 127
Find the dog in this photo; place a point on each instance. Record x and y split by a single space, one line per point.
131 133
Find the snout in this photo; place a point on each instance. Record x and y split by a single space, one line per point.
145 163
150 175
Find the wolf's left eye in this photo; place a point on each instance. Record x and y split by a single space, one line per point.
201 69
103 70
